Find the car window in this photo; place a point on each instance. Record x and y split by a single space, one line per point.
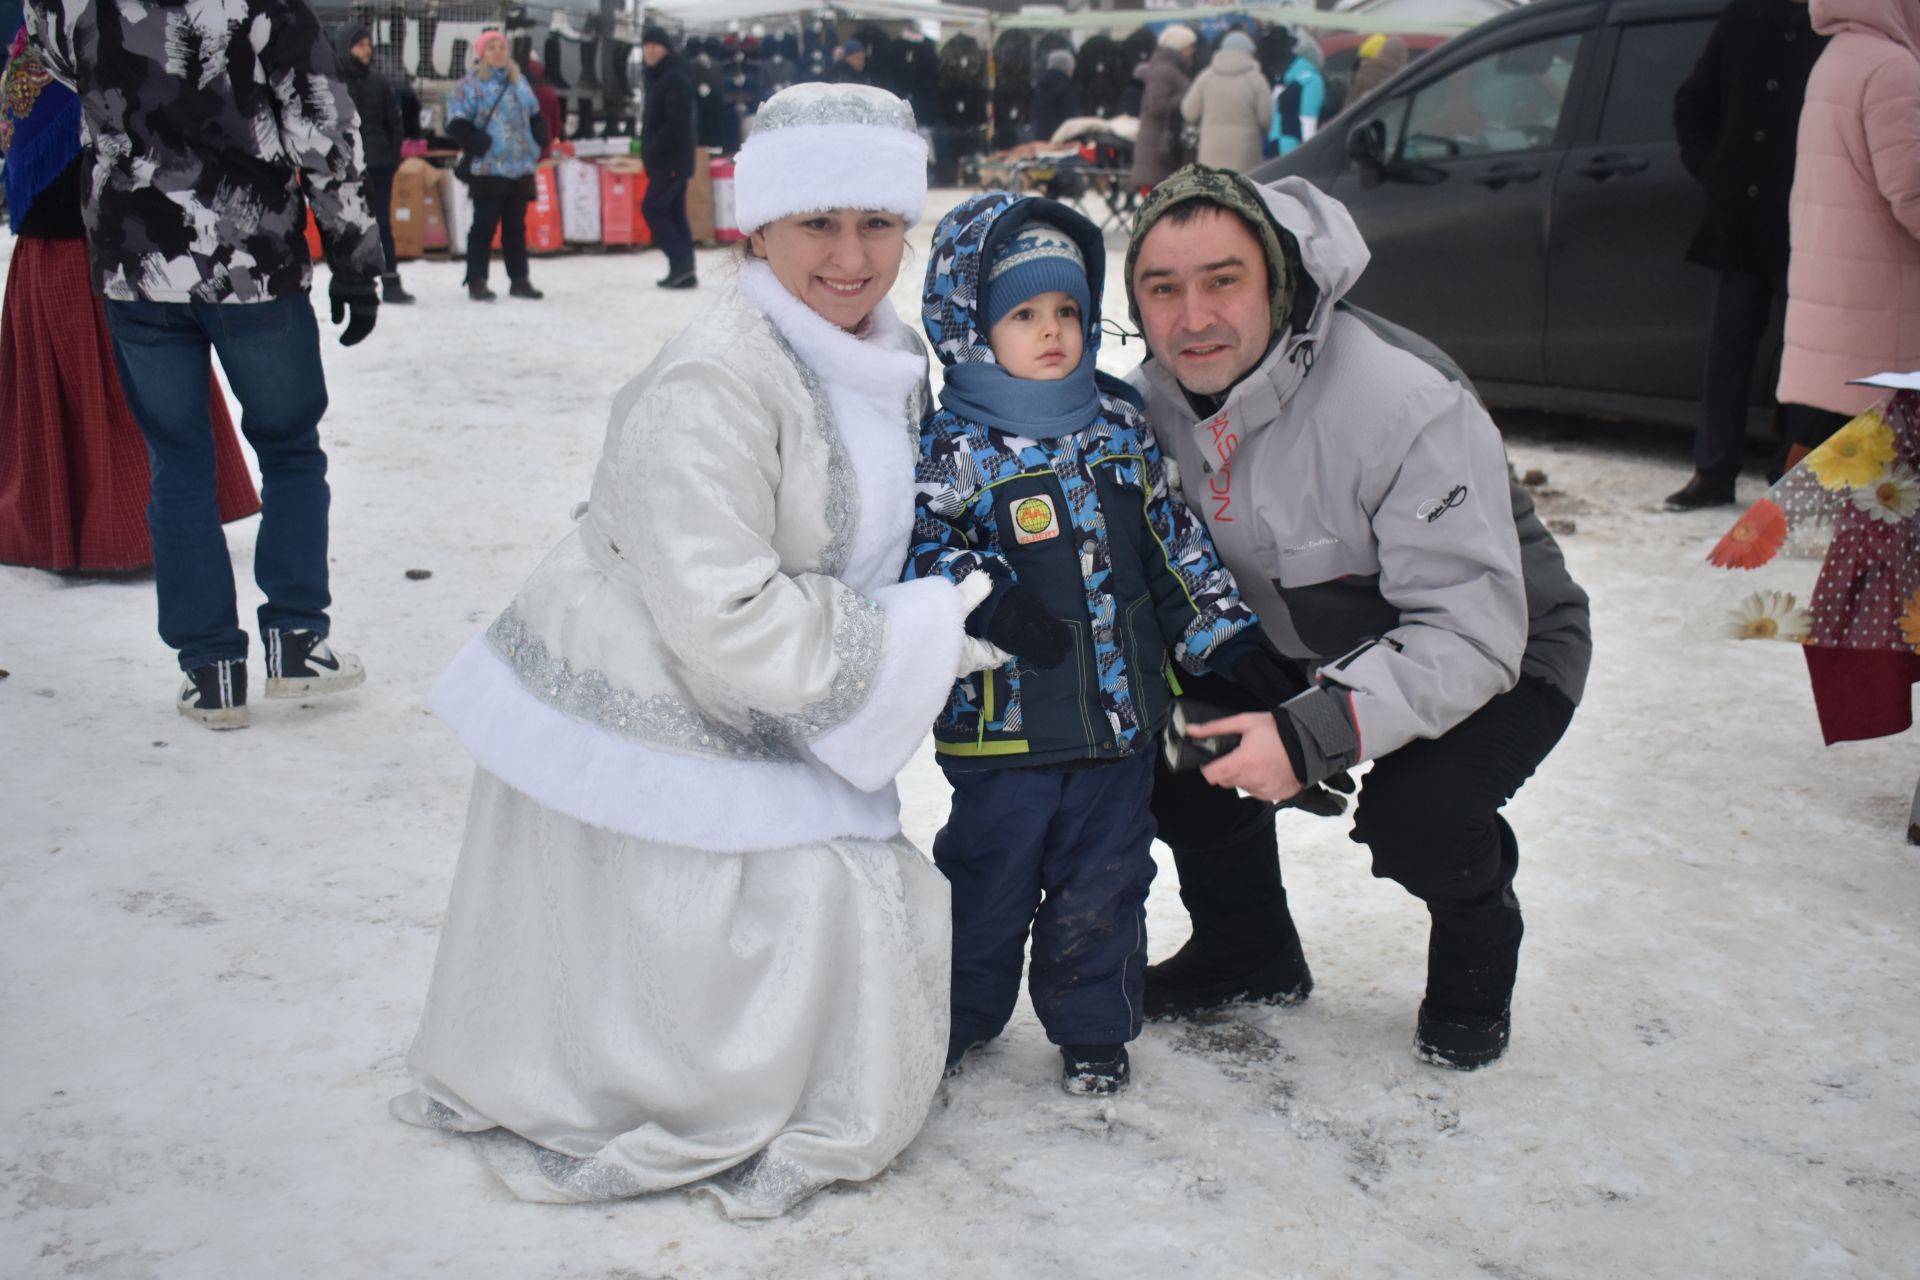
1509 100
1650 62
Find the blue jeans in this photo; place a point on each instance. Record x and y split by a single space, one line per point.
270 352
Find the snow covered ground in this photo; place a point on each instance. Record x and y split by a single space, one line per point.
216 945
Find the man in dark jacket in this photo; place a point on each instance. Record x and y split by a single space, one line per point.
273 136
666 148
851 68
380 135
1737 118
1053 97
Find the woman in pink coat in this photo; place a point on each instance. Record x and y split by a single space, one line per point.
1853 283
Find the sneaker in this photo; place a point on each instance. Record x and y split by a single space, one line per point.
1701 492
1459 1040
1094 1068
301 663
392 292
525 289
1190 982
480 293
216 695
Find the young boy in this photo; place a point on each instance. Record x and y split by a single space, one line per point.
1044 475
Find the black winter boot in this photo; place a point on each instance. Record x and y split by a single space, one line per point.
1094 1068
1244 945
1700 491
392 292
680 275
477 291
1473 957
525 289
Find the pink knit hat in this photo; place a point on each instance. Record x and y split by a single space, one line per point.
486 37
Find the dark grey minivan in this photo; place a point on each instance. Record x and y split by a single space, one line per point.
1522 194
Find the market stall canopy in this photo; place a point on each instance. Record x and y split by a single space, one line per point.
711 12
1293 15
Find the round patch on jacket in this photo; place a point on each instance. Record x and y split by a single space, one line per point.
1034 521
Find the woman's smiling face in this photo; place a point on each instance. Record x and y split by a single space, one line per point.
840 263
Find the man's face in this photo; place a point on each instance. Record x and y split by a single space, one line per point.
1202 292
858 61
653 53
362 49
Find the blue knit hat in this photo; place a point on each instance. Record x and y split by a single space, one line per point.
1036 259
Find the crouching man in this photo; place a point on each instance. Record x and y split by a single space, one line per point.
1361 497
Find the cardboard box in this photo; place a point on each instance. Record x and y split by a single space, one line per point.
409 207
545 233
580 201
619 203
434 234
700 198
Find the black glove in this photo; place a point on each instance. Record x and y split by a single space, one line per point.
1021 625
1268 677
349 293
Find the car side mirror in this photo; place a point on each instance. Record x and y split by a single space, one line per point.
1367 147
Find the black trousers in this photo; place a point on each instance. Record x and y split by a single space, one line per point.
508 211
1743 304
380 196
1430 815
665 209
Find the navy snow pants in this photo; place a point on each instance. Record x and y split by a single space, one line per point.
1068 854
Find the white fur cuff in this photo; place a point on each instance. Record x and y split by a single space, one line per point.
925 624
816 167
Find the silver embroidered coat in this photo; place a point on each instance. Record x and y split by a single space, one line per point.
687 945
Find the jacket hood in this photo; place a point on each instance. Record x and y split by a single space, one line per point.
1315 247
953 300
1895 20
1232 62
345 36
953 303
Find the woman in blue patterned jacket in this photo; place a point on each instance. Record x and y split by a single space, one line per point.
495 118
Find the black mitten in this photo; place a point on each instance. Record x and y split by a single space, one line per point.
1022 626
349 294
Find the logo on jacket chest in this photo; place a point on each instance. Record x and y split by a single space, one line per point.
1226 441
1034 520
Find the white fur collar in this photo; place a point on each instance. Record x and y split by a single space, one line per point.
878 365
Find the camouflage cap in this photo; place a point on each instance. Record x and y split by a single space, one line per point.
1229 190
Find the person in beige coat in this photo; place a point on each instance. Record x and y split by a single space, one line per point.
1232 104
1853 282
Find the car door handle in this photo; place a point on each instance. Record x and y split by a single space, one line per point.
1611 164
1501 174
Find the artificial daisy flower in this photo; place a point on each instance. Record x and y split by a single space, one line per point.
1910 622
1857 454
1894 498
1754 540
1770 615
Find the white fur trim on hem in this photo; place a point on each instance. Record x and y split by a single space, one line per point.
816 167
726 806
925 624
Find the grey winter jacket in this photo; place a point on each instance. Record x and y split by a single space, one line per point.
1232 103
1157 152
1363 503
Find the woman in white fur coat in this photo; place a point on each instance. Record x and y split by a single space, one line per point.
687 942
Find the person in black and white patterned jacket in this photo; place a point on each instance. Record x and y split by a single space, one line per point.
211 126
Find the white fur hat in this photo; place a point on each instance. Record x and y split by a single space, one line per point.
830 146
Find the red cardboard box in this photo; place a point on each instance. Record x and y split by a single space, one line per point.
618 205
544 231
